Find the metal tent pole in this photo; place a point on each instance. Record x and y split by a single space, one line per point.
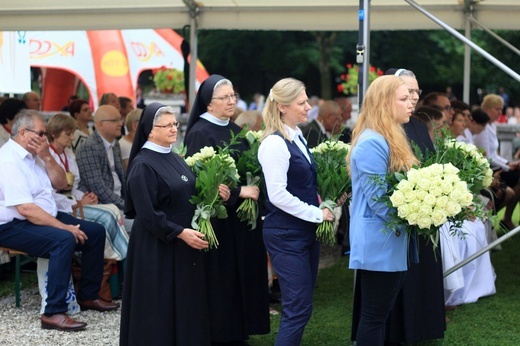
482 251
460 37
363 49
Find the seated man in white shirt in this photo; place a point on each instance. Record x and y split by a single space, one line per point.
30 222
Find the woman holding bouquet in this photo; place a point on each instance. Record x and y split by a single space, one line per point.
380 255
164 297
236 272
292 206
418 313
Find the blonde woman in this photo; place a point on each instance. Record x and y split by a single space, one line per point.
292 205
380 255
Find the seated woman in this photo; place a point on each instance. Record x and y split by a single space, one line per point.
131 122
60 131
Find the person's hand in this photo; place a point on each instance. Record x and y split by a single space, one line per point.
193 238
327 215
89 198
249 192
513 166
224 192
41 146
78 234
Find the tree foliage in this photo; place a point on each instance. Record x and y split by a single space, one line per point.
255 60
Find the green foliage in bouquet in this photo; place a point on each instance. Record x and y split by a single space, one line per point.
248 166
211 169
333 181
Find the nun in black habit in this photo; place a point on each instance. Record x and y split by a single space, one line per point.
236 271
164 295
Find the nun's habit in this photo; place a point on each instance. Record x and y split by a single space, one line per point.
236 272
164 295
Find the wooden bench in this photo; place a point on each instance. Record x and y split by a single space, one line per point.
17 285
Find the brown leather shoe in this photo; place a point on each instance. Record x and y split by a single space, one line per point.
98 305
61 322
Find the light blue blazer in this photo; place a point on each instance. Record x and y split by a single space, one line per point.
372 245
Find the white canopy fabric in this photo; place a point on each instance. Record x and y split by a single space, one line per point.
333 15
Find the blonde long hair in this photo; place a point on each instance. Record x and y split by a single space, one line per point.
379 114
283 92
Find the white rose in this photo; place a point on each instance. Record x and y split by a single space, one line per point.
438 217
452 208
410 196
404 186
424 222
430 199
450 169
412 218
403 211
413 176
424 184
441 202
207 152
397 198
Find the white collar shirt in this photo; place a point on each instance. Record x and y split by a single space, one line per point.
23 180
274 158
111 163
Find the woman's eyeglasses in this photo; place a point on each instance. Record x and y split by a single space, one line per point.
168 126
38 133
227 98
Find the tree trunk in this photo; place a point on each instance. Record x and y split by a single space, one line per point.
325 41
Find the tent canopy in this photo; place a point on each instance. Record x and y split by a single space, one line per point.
333 15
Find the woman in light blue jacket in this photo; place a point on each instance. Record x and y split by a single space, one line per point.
379 254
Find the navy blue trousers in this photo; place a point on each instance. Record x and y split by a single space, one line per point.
378 294
58 246
295 255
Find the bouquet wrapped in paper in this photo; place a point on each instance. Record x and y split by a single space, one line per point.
333 181
211 169
249 166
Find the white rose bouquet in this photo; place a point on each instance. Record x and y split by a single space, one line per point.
249 166
473 167
426 198
211 169
333 181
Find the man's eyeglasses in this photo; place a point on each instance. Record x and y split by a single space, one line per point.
168 126
227 98
417 91
38 133
113 120
447 108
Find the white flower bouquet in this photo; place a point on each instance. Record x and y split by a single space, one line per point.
249 166
333 181
426 198
211 169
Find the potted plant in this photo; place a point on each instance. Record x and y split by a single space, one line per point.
349 81
169 80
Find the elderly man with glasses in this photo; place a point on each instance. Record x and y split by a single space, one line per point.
30 222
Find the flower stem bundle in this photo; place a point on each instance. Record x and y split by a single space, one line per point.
211 169
333 181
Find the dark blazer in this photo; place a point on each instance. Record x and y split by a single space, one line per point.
94 170
417 133
313 134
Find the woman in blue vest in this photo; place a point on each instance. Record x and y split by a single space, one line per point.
379 254
292 205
